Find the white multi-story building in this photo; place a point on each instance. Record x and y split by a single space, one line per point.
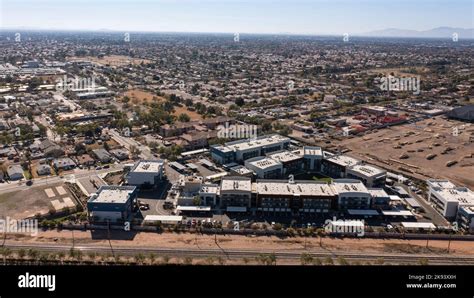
312 157
264 167
447 198
208 194
336 165
241 150
291 162
146 173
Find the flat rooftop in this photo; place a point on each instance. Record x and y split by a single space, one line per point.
378 193
343 160
113 194
418 225
209 188
312 151
468 209
256 143
298 188
460 194
241 170
236 184
148 166
284 156
349 186
263 162
441 183
168 218
367 170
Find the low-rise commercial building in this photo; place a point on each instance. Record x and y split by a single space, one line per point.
112 204
146 173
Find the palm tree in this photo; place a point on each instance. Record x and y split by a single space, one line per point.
306 259
165 259
342 261
32 253
61 256
272 259
21 253
6 252
152 258
329 261
188 261
423 261
139 258
320 232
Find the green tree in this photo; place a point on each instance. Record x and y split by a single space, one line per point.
184 117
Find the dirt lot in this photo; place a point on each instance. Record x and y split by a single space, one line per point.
418 141
28 203
140 96
183 110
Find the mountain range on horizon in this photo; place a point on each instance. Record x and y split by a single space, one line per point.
440 32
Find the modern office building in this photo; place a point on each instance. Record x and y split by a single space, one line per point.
370 175
336 165
112 204
209 194
292 163
241 150
312 157
465 218
146 173
265 167
294 196
352 194
380 199
235 192
447 198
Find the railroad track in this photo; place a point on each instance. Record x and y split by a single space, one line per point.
398 258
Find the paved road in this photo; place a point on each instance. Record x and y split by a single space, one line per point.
436 218
69 177
129 142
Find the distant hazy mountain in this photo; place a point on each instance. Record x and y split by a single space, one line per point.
440 32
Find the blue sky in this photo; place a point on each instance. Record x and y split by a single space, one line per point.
244 16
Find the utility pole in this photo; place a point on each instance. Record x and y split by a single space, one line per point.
449 243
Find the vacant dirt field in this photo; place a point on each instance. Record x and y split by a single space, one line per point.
28 203
427 147
138 96
183 110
